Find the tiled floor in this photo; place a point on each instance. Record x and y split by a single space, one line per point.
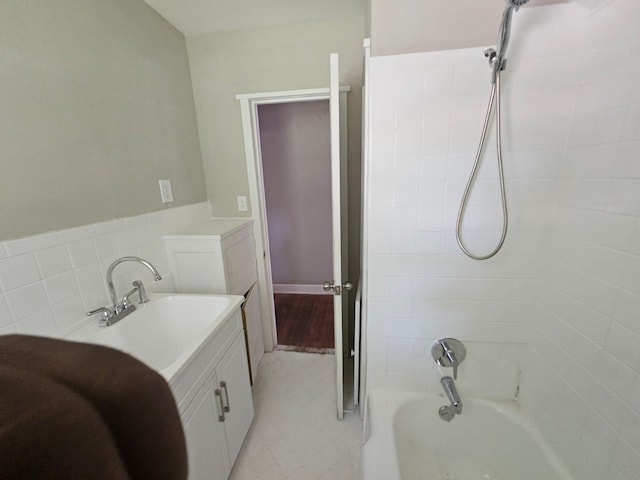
295 432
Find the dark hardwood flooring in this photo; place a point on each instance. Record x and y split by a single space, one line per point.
304 321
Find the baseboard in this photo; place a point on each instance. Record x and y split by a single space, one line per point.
306 289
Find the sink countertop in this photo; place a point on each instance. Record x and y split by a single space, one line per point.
217 227
154 333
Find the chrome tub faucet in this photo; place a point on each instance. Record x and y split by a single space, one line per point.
448 412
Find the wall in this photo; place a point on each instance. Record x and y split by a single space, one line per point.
559 304
276 59
96 105
404 26
426 118
582 384
48 281
296 162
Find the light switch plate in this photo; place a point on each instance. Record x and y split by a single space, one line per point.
165 191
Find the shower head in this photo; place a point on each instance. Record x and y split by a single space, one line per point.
505 27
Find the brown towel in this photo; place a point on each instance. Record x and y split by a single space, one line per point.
74 411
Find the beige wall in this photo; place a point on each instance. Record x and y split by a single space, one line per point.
286 58
96 105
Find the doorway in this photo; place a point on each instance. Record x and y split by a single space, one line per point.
336 96
294 139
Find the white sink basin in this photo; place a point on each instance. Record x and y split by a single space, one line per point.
166 332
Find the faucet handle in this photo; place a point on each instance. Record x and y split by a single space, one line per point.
142 293
106 312
449 352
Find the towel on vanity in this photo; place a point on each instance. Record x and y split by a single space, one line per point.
70 410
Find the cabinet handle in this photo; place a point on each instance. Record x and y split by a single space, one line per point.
223 385
218 393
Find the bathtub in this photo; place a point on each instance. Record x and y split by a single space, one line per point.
405 439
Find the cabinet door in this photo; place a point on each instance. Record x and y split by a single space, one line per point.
206 446
233 379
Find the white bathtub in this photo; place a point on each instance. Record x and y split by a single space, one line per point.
407 440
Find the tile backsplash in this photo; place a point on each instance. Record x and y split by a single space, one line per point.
48 281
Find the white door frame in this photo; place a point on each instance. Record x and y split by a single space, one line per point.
249 109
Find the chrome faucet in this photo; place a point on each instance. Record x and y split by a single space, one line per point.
448 412
117 307
124 307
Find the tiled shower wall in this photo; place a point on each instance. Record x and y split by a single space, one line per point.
560 303
582 384
48 281
426 117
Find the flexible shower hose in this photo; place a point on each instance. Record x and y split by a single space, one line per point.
495 96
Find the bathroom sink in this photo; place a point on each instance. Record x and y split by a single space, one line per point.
166 332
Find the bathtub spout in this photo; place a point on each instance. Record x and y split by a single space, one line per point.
452 394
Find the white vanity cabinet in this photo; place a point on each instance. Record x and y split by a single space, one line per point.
218 257
214 399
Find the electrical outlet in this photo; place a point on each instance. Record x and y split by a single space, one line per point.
242 203
165 191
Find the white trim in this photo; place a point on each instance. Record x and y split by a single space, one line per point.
287 96
300 288
364 234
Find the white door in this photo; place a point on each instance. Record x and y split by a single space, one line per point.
339 218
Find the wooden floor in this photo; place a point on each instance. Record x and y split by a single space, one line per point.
304 321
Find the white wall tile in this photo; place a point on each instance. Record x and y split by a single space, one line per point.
61 287
624 197
66 313
54 261
75 234
409 114
5 316
82 252
89 277
607 404
616 375
41 323
26 301
31 244
626 310
626 164
623 343
625 461
126 240
18 271
403 243
381 195
410 82
106 245
57 303
433 168
111 226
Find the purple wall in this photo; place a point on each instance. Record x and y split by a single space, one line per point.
296 161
